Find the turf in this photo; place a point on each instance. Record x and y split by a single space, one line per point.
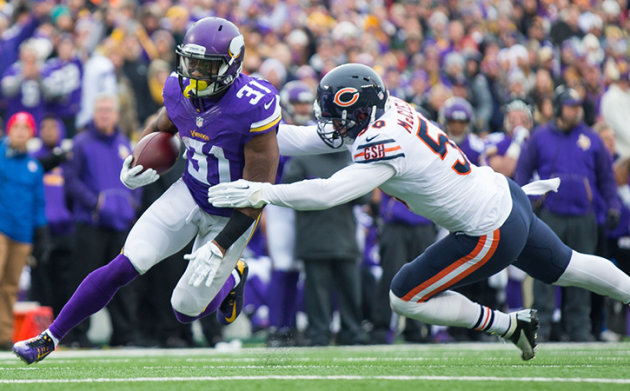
409 367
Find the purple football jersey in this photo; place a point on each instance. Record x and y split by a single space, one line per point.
214 137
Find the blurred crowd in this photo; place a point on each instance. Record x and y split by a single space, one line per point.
483 69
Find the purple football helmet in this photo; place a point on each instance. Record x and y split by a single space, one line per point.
210 58
455 109
296 99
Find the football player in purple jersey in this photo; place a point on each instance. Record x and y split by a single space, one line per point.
227 122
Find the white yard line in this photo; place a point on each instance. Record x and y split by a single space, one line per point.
331 377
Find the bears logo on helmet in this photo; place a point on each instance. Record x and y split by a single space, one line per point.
345 103
349 98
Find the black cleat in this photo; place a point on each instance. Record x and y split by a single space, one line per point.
233 304
34 349
523 332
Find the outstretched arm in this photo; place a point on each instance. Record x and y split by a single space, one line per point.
296 140
345 185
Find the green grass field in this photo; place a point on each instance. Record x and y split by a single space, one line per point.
485 366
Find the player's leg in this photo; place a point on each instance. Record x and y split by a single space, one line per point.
283 285
190 303
420 289
161 231
548 259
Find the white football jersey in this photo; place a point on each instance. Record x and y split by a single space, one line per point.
432 176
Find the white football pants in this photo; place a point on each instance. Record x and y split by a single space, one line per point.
169 224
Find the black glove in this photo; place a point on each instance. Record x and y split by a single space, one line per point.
612 218
42 245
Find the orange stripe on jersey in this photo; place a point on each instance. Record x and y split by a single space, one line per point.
435 282
359 155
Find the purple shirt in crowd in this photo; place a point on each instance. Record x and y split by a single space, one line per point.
64 78
579 159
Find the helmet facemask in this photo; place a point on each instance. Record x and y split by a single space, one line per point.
341 130
204 74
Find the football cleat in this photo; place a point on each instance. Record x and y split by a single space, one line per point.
34 349
233 303
523 332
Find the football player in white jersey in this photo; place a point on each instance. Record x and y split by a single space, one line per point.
489 217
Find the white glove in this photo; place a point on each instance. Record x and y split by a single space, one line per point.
238 194
132 178
205 263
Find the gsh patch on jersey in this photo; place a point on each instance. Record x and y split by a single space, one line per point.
378 150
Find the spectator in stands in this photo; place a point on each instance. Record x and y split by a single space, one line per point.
331 257
568 149
104 210
51 281
99 77
614 107
21 83
22 217
61 78
502 149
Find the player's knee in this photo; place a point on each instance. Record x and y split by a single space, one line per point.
185 306
142 255
397 304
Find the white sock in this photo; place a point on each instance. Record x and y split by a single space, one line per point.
492 321
237 278
598 275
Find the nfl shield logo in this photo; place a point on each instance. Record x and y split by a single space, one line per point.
199 122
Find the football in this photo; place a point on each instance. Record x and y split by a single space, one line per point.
157 150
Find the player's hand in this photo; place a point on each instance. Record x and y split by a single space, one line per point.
205 262
133 178
238 194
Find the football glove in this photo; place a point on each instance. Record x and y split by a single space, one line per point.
238 194
133 178
205 262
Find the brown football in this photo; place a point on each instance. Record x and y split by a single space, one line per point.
157 150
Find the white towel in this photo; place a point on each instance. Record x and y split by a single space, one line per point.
542 186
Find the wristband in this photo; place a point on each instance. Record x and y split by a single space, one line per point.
235 227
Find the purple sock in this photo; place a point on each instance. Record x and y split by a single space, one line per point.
290 299
212 307
282 298
93 294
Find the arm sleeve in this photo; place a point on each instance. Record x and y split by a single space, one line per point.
301 140
344 186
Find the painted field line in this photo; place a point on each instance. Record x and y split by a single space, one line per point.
331 377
